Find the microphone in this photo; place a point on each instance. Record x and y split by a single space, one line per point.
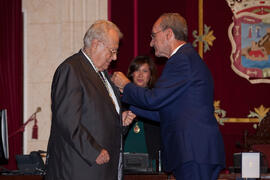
38 110
35 127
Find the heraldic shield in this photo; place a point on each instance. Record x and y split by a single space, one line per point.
249 34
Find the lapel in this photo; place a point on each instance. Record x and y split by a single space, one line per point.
93 76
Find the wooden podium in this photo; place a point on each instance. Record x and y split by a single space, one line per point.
149 176
160 176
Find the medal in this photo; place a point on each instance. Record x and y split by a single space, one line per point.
136 128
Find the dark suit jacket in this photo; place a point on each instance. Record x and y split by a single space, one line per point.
182 100
84 121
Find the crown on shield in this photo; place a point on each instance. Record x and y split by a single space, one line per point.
239 5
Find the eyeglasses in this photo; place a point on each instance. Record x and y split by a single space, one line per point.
113 51
153 34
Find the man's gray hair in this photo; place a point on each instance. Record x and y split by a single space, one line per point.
99 30
175 22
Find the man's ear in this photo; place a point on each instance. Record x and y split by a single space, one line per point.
93 48
94 43
169 34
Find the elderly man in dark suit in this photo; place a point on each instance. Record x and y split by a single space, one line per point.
182 100
86 131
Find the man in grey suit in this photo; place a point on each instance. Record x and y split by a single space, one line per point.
86 132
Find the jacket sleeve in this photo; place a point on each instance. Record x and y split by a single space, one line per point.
151 115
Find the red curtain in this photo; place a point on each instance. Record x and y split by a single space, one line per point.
238 96
11 72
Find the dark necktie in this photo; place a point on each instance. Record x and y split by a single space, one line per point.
106 85
100 74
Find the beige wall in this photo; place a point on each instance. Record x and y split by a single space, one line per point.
53 30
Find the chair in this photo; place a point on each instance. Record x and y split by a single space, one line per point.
260 141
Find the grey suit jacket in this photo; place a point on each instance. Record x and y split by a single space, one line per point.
84 121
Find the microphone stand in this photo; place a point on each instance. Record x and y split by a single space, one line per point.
35 127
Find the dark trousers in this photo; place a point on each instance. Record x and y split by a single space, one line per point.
195 171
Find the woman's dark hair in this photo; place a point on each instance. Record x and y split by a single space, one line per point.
137 62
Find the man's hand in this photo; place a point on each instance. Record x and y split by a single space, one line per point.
103 157
127 117
120 80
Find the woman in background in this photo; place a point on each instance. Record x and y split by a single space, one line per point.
143 135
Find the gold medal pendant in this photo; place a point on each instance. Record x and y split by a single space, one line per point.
136 128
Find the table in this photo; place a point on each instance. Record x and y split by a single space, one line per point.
163 176
149 176
160 176
21 177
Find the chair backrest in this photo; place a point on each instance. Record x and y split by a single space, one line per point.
262 135
260 141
